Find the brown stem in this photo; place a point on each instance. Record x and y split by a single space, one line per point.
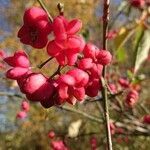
60 7
44 7
104 87
44 63
11 94
93 118
56 72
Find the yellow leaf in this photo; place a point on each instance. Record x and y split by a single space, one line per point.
74 127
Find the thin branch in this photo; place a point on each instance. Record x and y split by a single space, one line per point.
70 109
111 24
56 72
115 97
144 108
110 96
104 87
11 95
60 7
101 110
134 134
44 63
137 46
131 32
44 7
132 128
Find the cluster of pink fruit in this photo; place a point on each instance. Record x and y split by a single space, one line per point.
61 145
56 144
68 48
133 90
25 107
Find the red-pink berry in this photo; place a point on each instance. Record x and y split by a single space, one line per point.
22 80
146 119
2 53
51 134
147 2
112 128
20 63
36 28
44 93
21 115
132 98
33 82
66 51
25 106
104 57
120 130
111 34
71 86
93 87
19 59
62 28
96 71
73 26
124 82
67 79
137 3
36 87
90 51
66 45
47 103
80 76
93 143
16 73
79 93
112 87
58 145
2 66
85 63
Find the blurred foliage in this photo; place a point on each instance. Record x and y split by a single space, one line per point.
32 133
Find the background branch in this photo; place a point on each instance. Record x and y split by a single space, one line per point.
44 7
104 87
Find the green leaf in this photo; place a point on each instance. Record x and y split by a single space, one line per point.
86 34
130 74
141 49
138 34
123 33
121 55
123 37
122 6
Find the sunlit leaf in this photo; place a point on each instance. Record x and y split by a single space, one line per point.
74 127
122 5
121 55
123 36
130 74
142 49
